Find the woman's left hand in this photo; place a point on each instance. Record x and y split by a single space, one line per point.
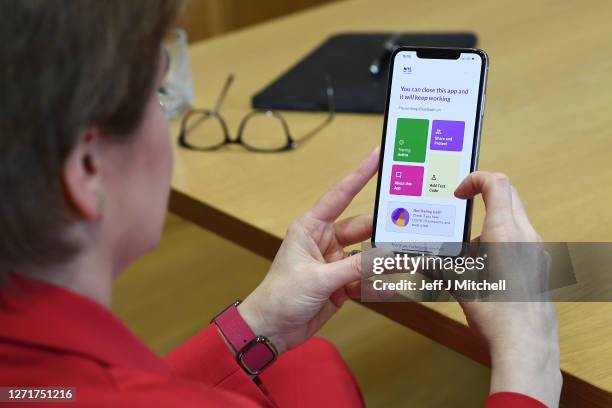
306 282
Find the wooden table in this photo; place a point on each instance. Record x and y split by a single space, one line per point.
547 126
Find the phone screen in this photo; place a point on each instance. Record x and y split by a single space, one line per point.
430 143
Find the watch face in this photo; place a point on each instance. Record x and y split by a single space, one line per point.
257 355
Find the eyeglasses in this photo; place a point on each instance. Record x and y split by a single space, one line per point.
259 131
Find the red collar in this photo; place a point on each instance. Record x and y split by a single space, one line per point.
37 314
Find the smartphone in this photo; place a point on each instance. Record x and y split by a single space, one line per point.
430 141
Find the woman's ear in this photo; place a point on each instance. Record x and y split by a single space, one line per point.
82 176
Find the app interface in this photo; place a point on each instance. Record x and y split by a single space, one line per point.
428 148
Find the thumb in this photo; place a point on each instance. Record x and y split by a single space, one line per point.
352 268
340 273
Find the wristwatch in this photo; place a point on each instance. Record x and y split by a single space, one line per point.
253 353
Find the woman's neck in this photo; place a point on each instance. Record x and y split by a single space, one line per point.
85 274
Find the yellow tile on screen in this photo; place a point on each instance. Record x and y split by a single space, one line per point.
442 175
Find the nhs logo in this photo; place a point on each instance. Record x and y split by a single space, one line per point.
407 70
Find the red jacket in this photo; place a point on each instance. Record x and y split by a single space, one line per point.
50 336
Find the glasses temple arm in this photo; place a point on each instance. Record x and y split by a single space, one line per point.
331 104
228 83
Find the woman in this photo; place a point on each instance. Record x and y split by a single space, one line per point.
85 166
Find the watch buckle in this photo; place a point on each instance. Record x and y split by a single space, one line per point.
250 345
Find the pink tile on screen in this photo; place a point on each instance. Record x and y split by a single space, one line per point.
406 180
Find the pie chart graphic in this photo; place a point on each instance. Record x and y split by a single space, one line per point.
400 217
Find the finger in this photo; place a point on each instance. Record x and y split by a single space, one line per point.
339 297
326 313
496 193
354 230
520 214
353 290
335 201
363 291
340 273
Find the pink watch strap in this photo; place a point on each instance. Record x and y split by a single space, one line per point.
254 353
234 328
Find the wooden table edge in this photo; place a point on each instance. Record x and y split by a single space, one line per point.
424 320
416 316
224 225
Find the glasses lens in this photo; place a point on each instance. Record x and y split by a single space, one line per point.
264 131
204 130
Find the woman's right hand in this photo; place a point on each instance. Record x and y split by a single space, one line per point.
522 336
